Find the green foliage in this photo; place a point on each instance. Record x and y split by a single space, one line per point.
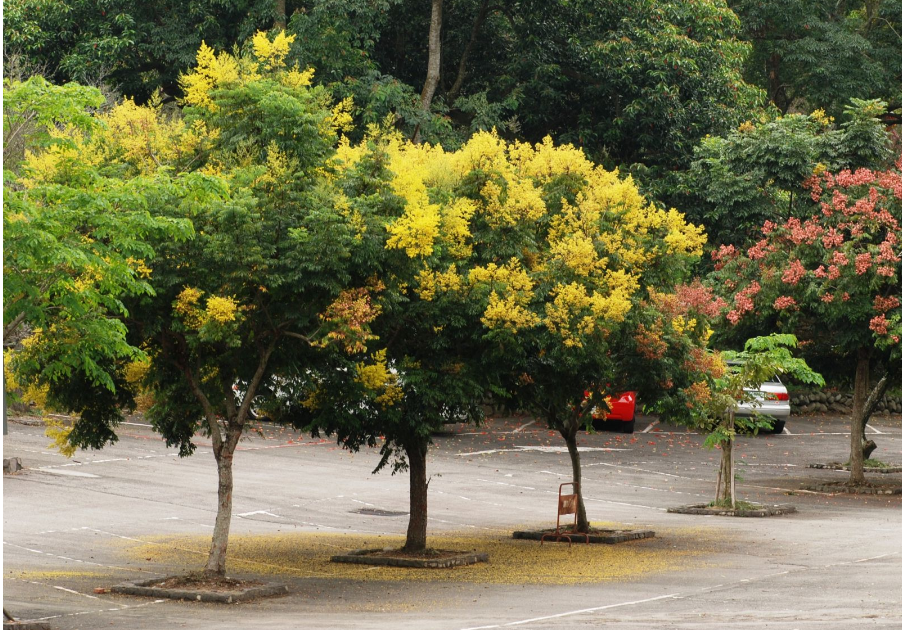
760 360
34 109
811 54
134 47
758 171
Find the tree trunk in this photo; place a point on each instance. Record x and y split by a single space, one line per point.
775 90
280 18
462 66
863 406
216 561
726 477
419 488
569 431
859 420
434 65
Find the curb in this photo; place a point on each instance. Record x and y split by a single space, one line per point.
608 537
838 488
703 509
364 556
867 469
144 589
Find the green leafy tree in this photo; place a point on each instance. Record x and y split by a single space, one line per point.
266 278
815 54
756 173
713 400
832 278
75 246
134 47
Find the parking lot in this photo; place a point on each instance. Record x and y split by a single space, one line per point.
136 509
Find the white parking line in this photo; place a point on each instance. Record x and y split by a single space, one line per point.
874 429
649 427
523 426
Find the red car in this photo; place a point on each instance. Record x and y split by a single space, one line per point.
622 416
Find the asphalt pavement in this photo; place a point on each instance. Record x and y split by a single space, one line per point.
73 527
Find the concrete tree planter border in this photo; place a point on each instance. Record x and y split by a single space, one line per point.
598 536
759 512
839 487
868 469
146 588
366 556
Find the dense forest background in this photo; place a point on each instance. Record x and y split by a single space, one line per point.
634 84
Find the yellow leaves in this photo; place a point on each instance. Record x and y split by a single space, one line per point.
575 312
295 78
431 282
378 378
272 53
415 232
341 120
59 432
820 117
510 296
219 310
212 71
349 317
456 227
683 238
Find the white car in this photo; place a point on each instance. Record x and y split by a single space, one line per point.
771 399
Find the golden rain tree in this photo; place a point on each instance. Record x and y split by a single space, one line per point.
268 276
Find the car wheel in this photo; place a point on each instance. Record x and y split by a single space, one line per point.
779 425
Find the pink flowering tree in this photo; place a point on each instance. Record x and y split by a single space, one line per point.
833 278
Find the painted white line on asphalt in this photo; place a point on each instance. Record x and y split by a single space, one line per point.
489 452
523 426
874 429
69 590
137 424
649 427
702 591
243 514
576 612
68 473
786 431
501 483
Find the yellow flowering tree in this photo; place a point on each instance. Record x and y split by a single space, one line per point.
569 257
274 272
76 240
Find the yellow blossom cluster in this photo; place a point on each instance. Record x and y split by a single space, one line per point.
431 282
221 310
212 71
377 377
272 53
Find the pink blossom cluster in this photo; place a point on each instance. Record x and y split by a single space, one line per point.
887 254
723 255
846 178
827 298
833 238
884 304
840 259
879 325
806 232
793 273
759 250
699 298
891 181
863 263
743 302
783 302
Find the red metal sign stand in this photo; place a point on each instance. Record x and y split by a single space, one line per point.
566 504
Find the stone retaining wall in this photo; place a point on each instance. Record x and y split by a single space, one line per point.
815 401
